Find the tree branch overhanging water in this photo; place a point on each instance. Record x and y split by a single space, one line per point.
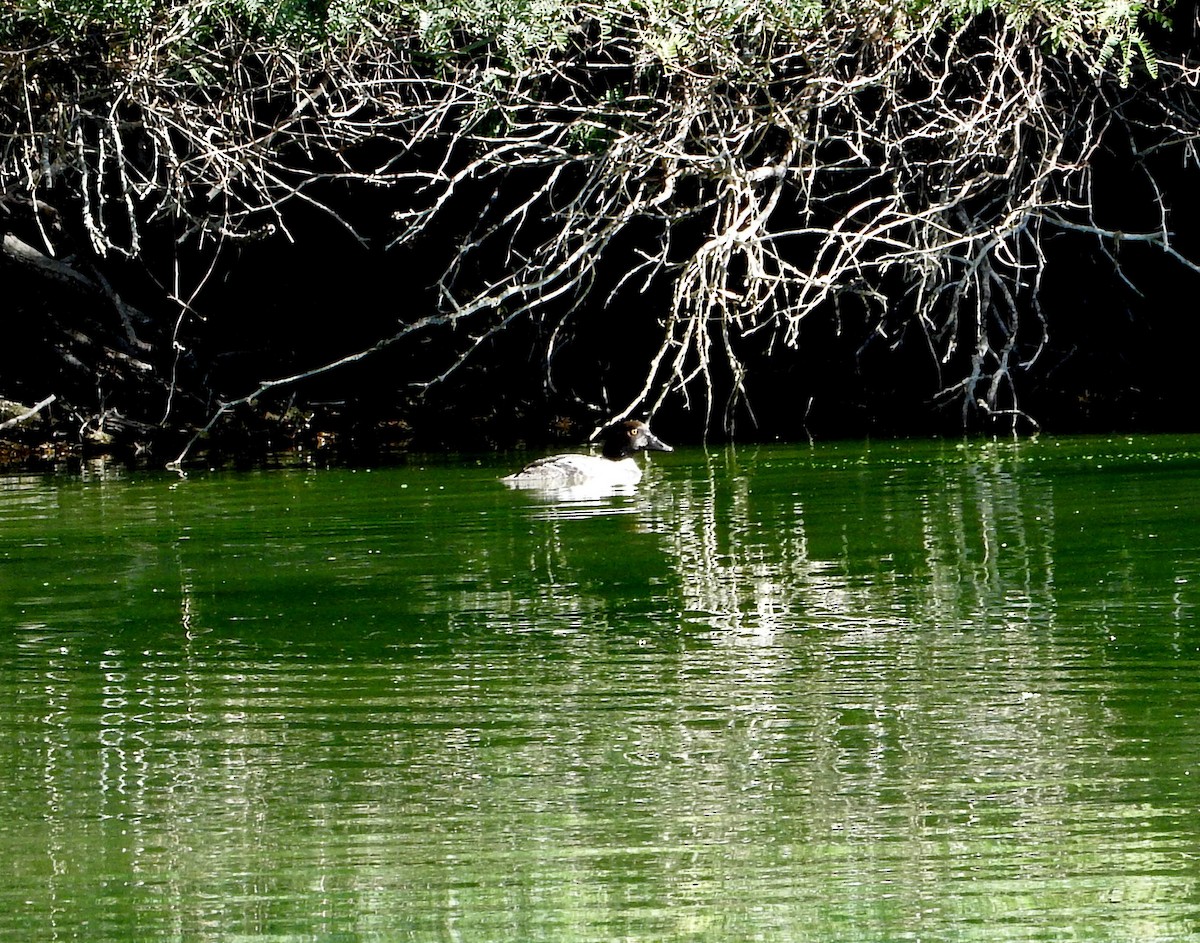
767 165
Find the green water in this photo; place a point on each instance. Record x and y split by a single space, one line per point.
928 691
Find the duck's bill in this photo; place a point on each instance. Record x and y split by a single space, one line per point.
656 444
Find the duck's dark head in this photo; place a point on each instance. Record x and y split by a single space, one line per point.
622 439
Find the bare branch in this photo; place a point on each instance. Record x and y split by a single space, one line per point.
27 414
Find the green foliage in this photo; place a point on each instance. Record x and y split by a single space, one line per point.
1106 30
516 32
77 17
1124 41
297 21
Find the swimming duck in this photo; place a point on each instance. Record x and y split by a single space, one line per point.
613 466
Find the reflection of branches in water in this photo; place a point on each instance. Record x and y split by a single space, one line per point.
912 668
988 541
736 574
824 715
965 541
948 546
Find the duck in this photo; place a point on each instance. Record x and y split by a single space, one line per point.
614 465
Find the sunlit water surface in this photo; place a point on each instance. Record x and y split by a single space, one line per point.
930 691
